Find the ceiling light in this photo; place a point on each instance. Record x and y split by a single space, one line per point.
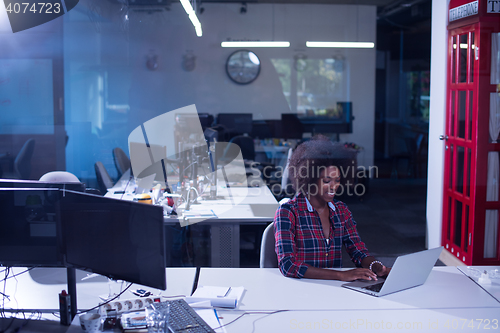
254 44
355 45
192 16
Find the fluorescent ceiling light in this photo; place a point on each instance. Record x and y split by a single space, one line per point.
255 44
192 16
356 45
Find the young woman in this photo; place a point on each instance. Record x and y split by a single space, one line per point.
311 229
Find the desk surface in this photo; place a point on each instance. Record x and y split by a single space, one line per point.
474 273
39 288
267 289
448 301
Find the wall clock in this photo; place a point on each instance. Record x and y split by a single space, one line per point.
243 66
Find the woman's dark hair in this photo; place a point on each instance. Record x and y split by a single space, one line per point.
315 155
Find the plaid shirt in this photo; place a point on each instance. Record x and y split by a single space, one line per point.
300 241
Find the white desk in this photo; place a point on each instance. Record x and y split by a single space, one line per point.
446 298
474 273
240 205
448 301
39 288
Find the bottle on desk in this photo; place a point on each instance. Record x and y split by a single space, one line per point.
65 308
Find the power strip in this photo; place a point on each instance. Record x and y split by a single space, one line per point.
127 305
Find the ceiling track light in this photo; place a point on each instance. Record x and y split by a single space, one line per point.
186 4
255 44
349 45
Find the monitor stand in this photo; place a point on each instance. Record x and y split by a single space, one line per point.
71 276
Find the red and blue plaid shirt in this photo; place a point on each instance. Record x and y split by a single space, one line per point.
300 241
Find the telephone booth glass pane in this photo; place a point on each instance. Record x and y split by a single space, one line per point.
454 59
472 56
494 123
459 185
495 58
467 191
452 161
458 224
491 234
452 117
461 113
466 234
463 57
492 176
471 100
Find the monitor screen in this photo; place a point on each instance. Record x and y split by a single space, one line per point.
236 123
28 233
123 240
292 127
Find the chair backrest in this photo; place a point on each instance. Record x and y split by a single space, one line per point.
22 163
59 177
103 179
268 257
122 162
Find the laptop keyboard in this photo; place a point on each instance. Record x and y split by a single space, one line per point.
375 287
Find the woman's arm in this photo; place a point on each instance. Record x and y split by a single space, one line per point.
286 249
348 275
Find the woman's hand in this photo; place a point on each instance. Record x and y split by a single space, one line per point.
358 273
383 272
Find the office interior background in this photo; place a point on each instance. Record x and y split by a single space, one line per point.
86 80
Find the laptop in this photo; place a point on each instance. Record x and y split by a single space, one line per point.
408 271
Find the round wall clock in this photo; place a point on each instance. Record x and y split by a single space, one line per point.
243 66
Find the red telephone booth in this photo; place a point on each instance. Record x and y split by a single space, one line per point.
470 226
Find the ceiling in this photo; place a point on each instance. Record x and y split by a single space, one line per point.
385 8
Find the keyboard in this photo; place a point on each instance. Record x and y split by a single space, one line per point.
375 287
184 319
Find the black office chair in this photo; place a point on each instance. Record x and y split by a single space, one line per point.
22 162
413 155
246 145
103 179
122 162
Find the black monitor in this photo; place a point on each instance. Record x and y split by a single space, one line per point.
120 239
28 232
236 123
291 126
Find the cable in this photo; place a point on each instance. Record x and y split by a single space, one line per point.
108 301
250 313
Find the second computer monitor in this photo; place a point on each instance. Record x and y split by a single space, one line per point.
120 239
236 123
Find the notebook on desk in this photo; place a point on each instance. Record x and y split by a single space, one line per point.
408 271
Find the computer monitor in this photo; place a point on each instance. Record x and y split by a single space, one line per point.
28 232
236 123
123 240
291 126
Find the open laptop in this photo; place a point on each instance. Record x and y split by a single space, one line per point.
408 271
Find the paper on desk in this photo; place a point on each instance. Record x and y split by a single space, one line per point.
210 317
213 294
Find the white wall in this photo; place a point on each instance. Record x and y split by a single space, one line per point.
437 122
104 47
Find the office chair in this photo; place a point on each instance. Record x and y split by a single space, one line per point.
22 162
103 179
268 257
246 145
413 155
122 162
